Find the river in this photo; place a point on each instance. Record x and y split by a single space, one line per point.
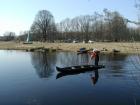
31 78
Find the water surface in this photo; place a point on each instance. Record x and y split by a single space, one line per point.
31 79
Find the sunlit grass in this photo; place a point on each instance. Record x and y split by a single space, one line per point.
121 46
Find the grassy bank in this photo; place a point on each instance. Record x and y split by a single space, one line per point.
122 47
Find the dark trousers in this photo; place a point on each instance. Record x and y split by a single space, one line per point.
96 60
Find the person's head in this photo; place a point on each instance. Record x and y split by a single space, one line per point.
96 51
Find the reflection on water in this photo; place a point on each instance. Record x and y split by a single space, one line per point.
70 59
95 77
116 64
44 63
30 79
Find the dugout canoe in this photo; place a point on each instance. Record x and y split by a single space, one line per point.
78 69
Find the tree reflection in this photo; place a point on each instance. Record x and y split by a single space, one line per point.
116 64
43 63
117 61
65 59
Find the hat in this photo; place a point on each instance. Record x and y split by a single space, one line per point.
96 50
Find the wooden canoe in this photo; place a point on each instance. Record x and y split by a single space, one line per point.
78 69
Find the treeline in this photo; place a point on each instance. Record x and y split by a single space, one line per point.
8 36
105 26
108 26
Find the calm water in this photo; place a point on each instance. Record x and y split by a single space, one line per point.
31 79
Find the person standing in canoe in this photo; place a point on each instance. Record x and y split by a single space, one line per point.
94 54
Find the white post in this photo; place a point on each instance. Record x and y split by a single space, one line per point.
28 37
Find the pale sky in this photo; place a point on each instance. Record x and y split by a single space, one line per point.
18 15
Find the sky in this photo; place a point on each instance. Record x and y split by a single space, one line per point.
18 15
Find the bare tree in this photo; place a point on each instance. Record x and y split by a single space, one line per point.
118 27
9 36
43 24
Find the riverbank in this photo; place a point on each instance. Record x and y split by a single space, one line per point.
102 46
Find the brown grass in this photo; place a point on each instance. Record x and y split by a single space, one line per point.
122 47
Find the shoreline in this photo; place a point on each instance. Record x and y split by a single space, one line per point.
106 47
